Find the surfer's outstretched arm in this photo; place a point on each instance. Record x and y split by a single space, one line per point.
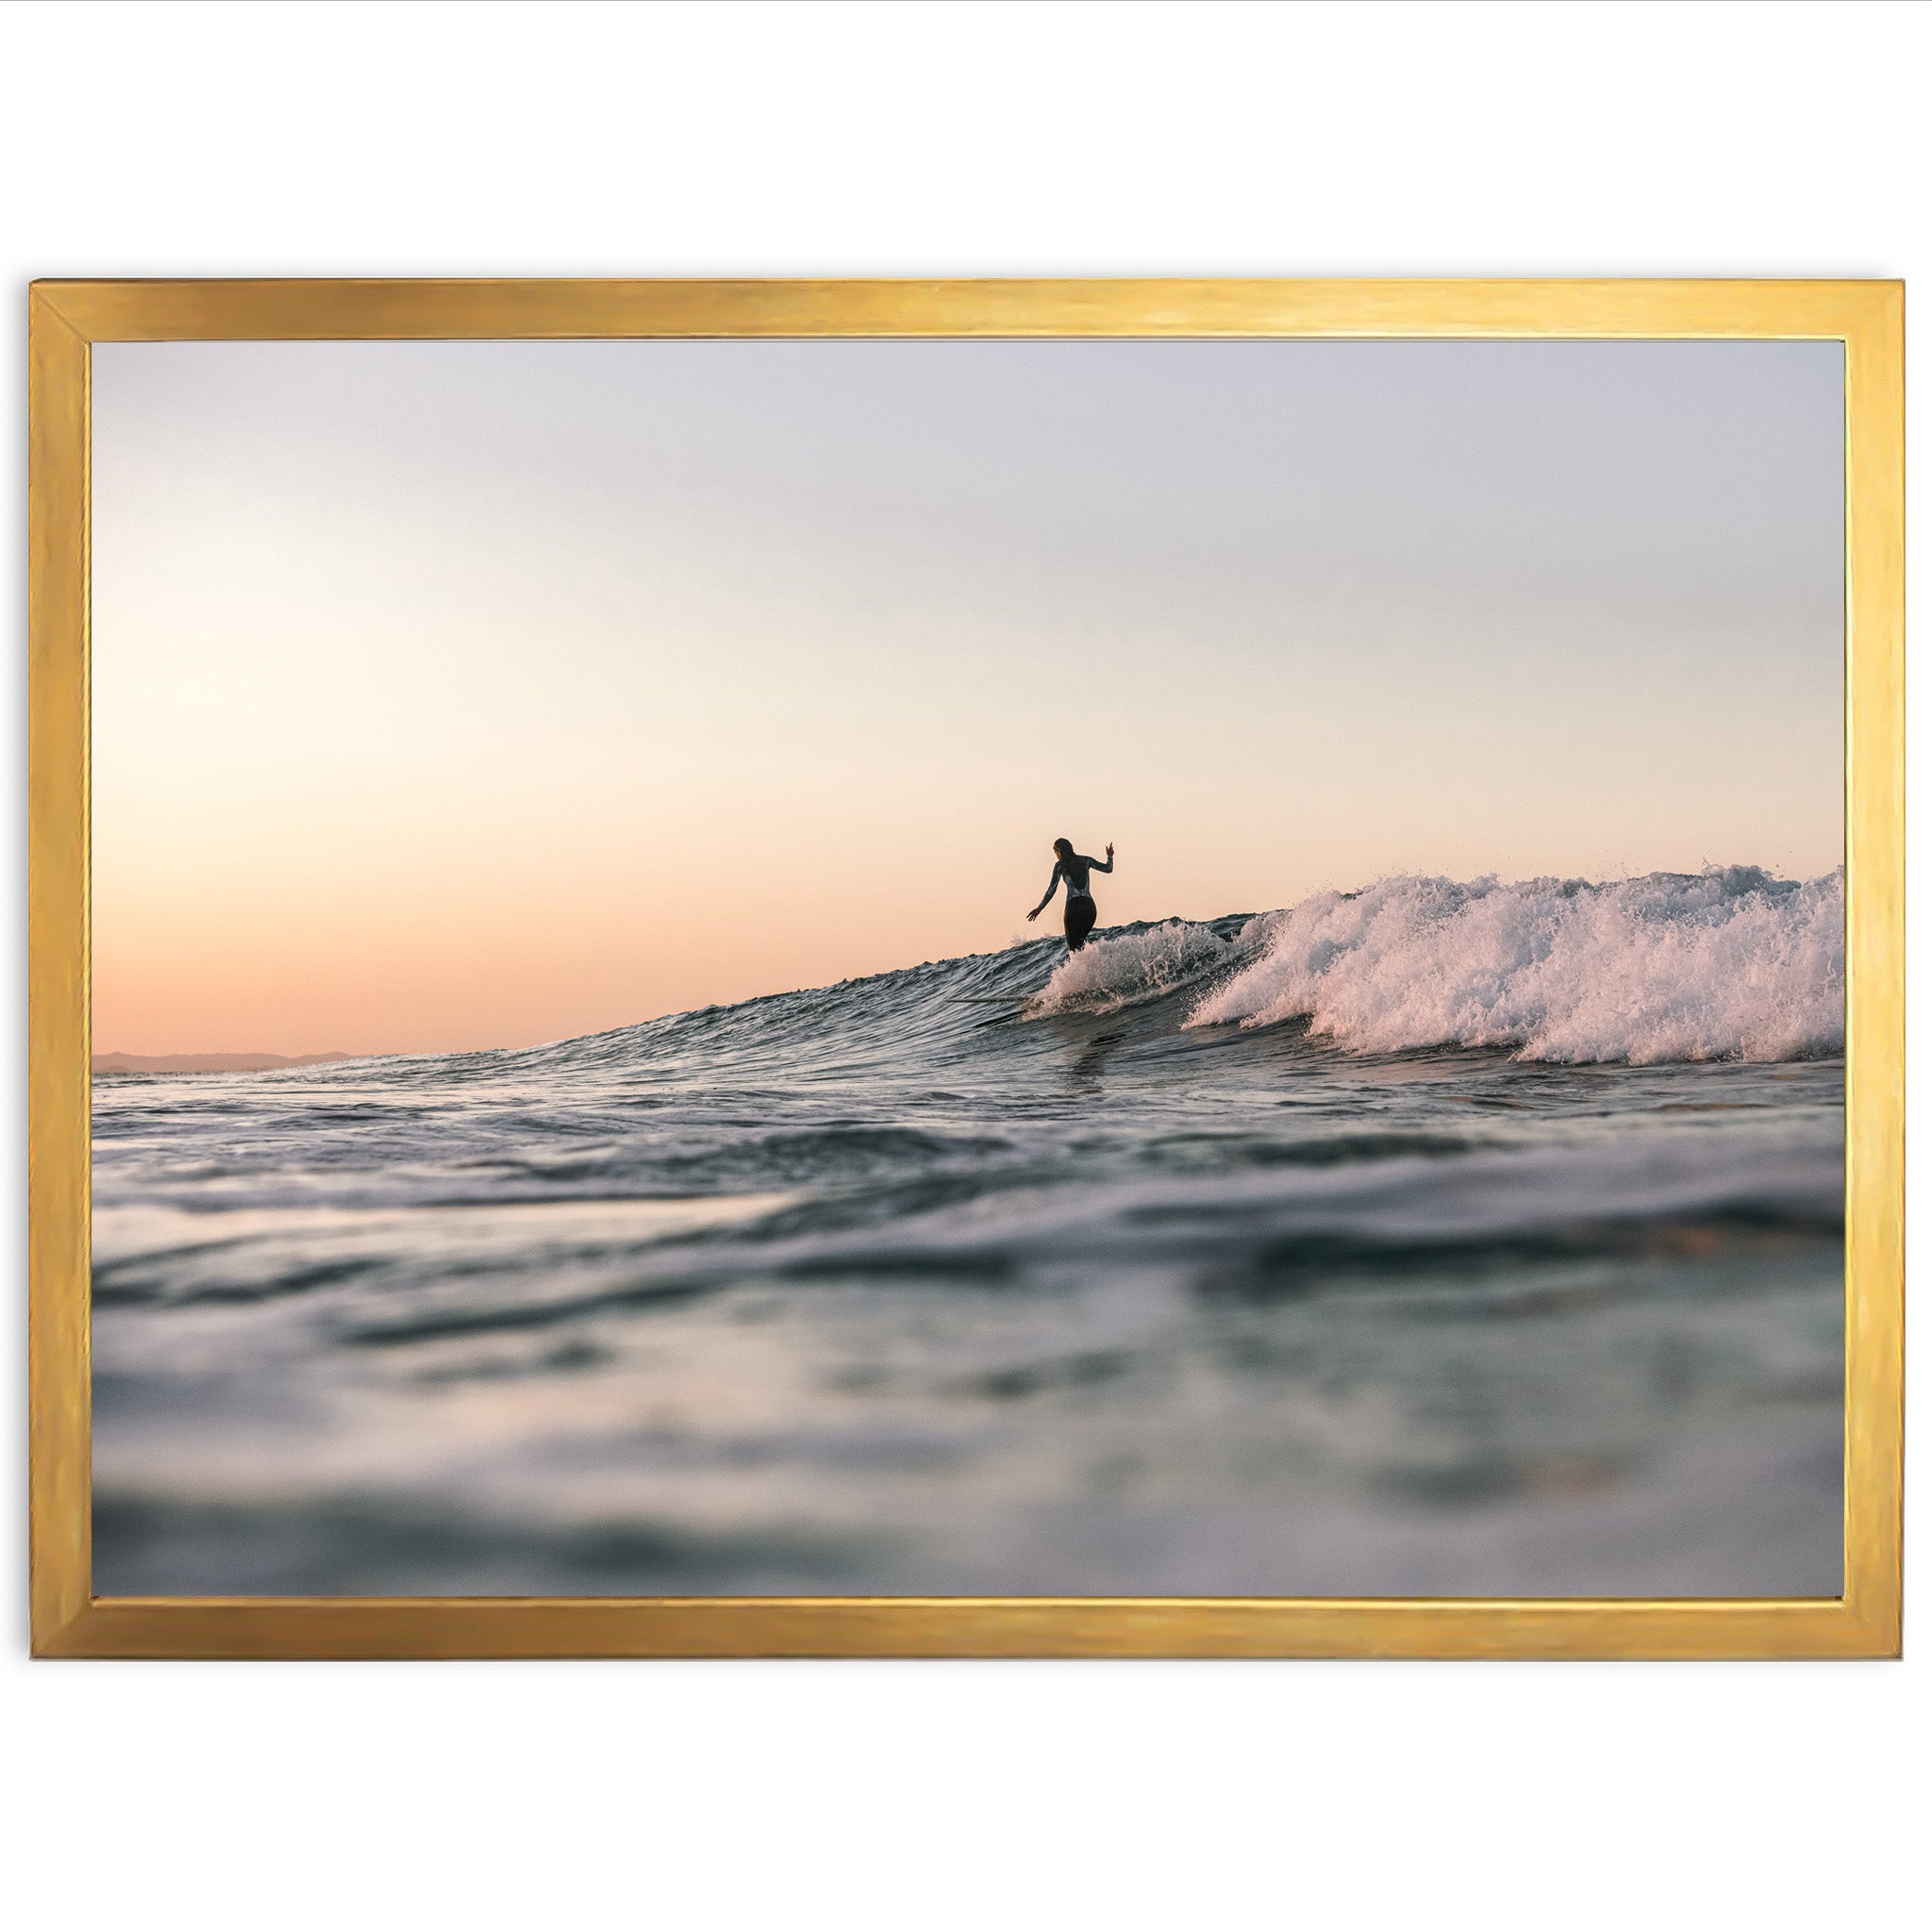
1050 885
1097 865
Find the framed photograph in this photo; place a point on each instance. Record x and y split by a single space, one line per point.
966 968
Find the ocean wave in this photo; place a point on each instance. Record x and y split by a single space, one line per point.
1731 963
1133 968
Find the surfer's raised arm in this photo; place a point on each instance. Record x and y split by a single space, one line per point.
1096 863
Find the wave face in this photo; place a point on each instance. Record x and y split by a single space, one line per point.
1445 1239
1731 964
1143 964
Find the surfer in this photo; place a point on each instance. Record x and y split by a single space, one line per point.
1081 910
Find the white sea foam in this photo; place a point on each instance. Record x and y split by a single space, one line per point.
1729 964
1132 969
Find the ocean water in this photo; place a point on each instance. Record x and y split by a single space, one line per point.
1458 1238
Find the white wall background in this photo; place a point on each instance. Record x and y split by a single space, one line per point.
613 139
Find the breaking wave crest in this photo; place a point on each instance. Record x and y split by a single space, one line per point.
1731 963
1133 968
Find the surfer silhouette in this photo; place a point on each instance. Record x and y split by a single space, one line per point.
1081 911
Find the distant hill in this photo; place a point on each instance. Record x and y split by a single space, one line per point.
209 1062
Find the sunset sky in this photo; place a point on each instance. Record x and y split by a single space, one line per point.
465 694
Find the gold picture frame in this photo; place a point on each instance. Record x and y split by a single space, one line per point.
66 318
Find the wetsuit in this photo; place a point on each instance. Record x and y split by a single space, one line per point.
1081 910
